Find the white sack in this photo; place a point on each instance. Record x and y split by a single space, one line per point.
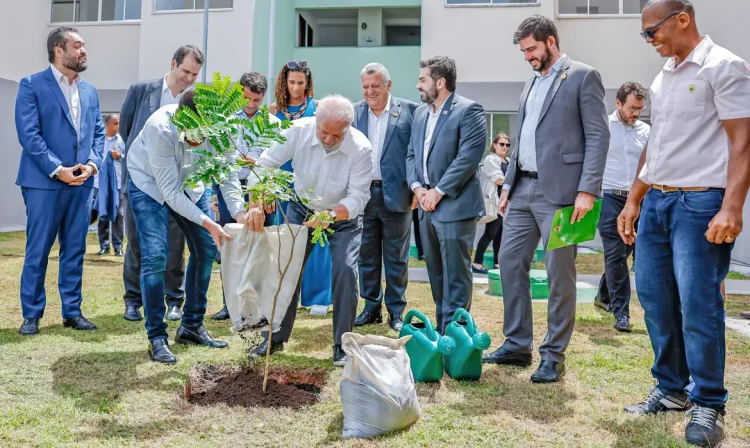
250 272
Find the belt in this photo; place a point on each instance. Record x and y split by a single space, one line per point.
668 189
616 192
243 182
377 184
530 174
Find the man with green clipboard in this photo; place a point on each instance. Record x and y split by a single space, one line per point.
562 145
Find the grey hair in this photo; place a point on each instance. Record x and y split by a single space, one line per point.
110 117
335 108
376 67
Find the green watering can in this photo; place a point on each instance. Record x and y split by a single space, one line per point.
425 348
465 363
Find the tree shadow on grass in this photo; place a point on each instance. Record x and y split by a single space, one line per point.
108 326
97 380
501 389
602 332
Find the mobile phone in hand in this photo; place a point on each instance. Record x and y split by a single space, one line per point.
77 172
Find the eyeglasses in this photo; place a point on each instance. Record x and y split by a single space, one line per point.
651 32
505 145
296 65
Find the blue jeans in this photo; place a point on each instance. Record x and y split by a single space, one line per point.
678 278
152 227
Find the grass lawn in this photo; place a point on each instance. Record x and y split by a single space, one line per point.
64 388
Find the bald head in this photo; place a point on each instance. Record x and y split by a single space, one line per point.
671 6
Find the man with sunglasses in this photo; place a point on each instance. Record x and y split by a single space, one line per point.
628 137
693 182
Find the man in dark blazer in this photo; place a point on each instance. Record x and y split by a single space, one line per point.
561 151
446 145
60 129
142 100
386 121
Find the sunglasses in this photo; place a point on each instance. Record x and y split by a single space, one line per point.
296 65
506 145
651 32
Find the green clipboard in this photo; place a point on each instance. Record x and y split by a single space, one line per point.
564 233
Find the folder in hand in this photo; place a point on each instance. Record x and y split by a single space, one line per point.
564 233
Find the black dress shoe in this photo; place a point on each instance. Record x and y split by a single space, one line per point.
604 306
79 323
174 313
221 315
132 313
118 252
623 325
505 356
260 351
548 372
197 336
29 327
339 356
396 322
477 270
159 351
368 317
103 252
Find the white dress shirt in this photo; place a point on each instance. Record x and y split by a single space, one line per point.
254 151
327 178
626 144
432 119
688 146
166 94
159 163
376 129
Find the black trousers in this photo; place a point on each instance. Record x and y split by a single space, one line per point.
417 235
118 230
615 283
493 232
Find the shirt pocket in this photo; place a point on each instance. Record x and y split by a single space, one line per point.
334 191
690 99
304 183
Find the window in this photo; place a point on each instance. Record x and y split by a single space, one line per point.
490 2
497 123
601 7
95 10
181 5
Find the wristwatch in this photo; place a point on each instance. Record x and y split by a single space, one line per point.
333 214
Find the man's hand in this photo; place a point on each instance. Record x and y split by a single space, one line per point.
86 172
414 202
116 154
315 222
254 218
420 193
269 207
626 222
217 233
725 226
430 200
66 174
215 203
503 205
584 203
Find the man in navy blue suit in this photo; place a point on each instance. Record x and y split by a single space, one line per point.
60 129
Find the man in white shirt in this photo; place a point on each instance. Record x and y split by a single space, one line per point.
113 153
694 181
628 137
332 165
141 101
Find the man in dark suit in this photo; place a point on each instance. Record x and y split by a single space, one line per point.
61 132
562 145
141 101
386 121
446 145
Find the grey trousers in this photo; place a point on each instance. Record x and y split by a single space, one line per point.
447 252
385 246
529 217
118 230
174 278
344 244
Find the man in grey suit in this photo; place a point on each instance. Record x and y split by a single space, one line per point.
386 121
141 101
562 144
446 145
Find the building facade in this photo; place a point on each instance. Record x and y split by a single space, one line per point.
132 40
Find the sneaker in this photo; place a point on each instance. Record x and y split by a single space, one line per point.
706 426
623 325
657 401
319 310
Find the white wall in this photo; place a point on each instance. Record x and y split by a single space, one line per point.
24 23
229 39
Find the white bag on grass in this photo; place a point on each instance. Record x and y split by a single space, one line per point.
377 386
250 272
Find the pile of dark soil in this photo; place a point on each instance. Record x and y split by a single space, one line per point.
243 386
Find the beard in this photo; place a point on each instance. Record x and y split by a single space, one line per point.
77 65
546 62
429 96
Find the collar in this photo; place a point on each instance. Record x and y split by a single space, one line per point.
165 86
555 68
343 147
697 56
385 111
613 118
59 77
114 137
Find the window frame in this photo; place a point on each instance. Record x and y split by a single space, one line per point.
98 21
154 9
484 4
621 14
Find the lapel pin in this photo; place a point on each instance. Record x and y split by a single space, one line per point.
395 114
445 112
564 76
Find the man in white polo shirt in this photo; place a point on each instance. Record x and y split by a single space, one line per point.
694 177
